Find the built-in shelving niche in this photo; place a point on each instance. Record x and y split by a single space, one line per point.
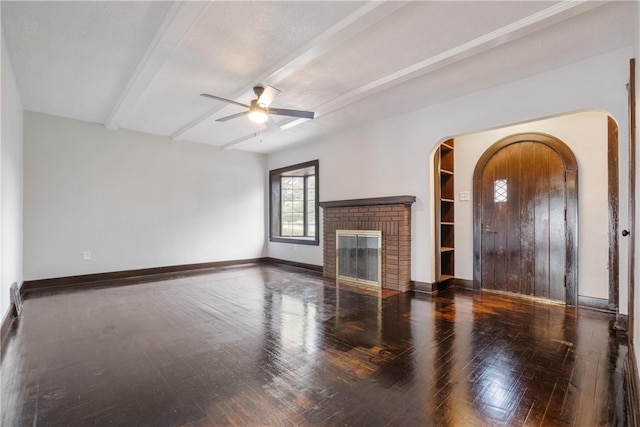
445 227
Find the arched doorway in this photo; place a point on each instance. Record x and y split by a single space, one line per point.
525 218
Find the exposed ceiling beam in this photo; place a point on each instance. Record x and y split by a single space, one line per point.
369 14
549 16
175 26
241 139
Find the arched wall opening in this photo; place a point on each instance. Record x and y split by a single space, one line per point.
586 133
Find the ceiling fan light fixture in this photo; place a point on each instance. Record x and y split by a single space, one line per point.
257 114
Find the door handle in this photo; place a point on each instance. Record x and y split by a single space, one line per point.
487 228
625 233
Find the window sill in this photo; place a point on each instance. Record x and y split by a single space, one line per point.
296 240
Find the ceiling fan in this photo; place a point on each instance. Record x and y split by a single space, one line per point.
260 107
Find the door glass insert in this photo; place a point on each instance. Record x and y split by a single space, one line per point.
500 190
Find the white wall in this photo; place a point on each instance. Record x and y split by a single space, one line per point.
11 184
586 134
393 157
134 200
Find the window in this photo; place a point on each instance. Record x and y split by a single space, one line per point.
294 210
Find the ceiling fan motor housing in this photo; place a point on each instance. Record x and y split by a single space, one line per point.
255 106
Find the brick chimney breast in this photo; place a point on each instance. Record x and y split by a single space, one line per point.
391 215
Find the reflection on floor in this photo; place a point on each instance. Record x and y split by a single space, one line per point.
267 345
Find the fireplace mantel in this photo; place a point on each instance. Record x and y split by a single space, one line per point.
390 215
372 201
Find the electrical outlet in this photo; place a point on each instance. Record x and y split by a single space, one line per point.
464 196
86 255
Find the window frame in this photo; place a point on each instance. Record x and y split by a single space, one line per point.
275 204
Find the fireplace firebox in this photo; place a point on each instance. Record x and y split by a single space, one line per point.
358 257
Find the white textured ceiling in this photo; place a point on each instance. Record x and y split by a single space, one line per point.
142 65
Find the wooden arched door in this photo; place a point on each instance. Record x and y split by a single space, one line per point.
525 218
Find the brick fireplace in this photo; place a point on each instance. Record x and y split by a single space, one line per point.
391 216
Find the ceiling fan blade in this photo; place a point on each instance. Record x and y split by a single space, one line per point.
292 113
206 95
268 96
233 116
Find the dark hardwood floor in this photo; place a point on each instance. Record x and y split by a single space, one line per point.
270 345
